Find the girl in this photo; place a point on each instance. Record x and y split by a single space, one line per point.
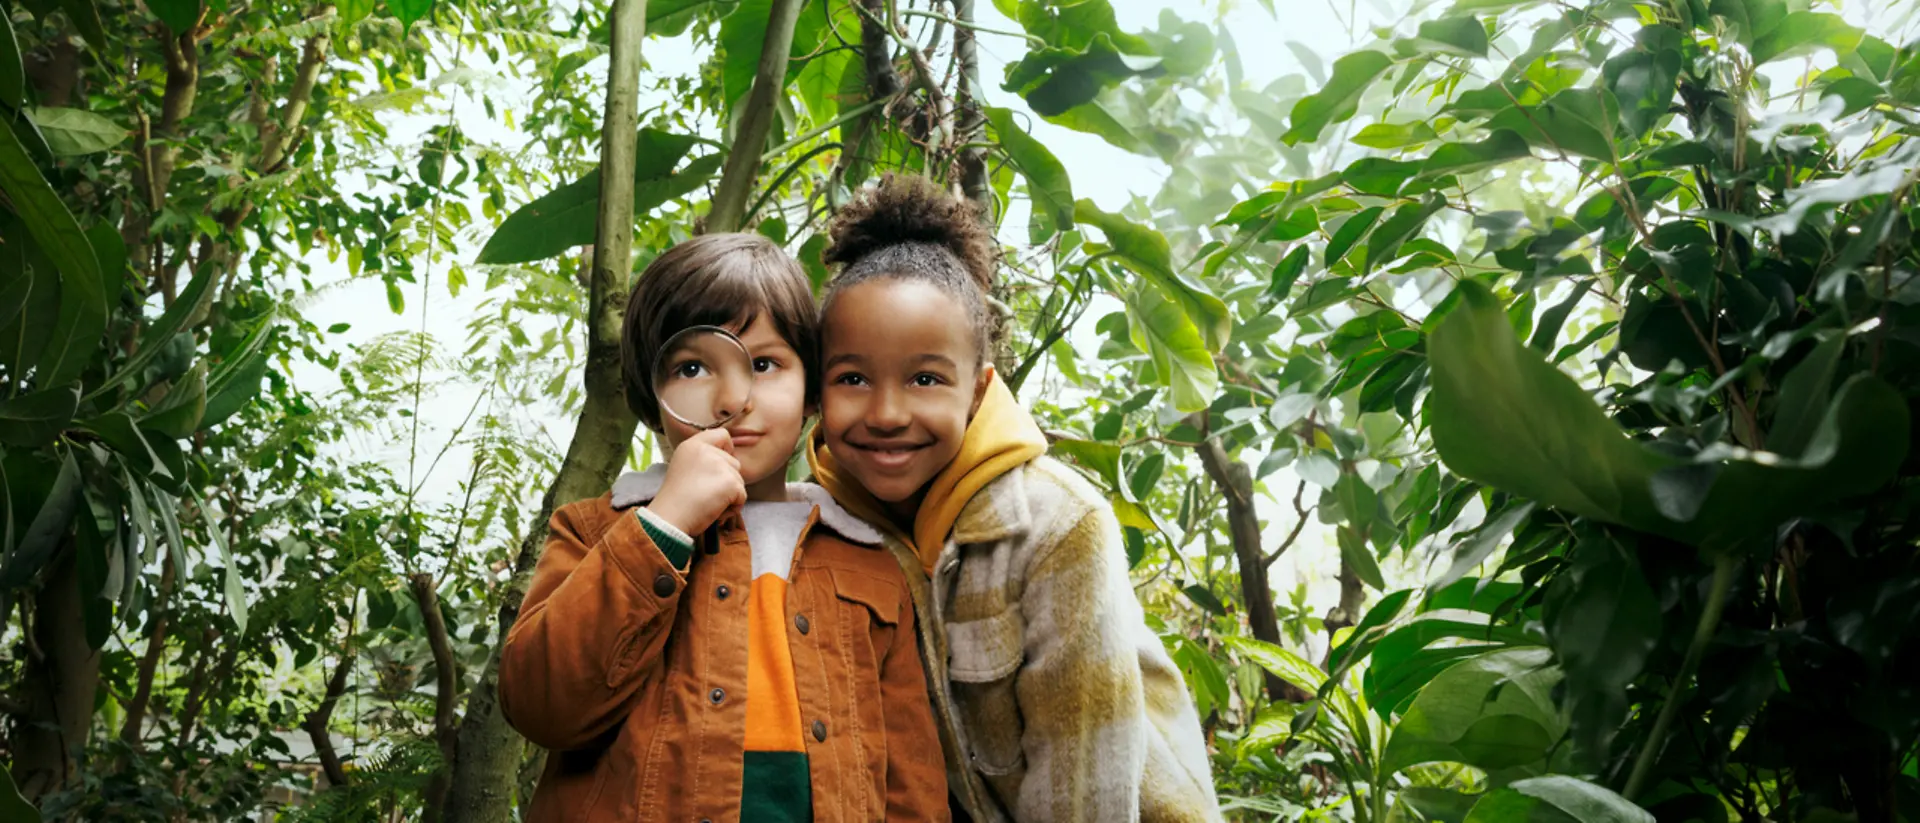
770 676
1058 702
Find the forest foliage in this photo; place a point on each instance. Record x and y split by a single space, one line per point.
1589 330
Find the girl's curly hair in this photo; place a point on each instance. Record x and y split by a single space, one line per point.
908 227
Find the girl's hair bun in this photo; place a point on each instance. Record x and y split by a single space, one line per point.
910 209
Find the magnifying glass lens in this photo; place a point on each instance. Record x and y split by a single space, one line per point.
703 377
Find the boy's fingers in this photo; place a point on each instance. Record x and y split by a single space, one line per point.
720 438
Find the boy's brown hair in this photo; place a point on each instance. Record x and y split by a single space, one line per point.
728 280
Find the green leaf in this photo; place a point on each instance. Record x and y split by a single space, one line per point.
86 17
1644 78
1575 121
1857 93
84 304
1321 295
13 75
1285 273
1442 805
49 525
1462 35
1501 415
1349 234
236 593
1395 135
178 414
1357 559
1205 599
36 419
192 302
1384 243
52 226
73 132
1804 31
118 430
409 11
1338 99
1402 662
1500 147
1284 664
564 218
353 11
1493 711
1555 799
1047 182
13 807
1147 475
1145 252
1055 80
179 15
1804 397
1555 317
1603 621
1379 176
235 386
1181 358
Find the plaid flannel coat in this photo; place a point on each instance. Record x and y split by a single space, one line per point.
1057 702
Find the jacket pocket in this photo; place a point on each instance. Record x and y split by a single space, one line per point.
984 657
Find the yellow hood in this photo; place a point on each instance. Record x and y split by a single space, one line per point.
1001 437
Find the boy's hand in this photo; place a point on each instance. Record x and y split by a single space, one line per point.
703 482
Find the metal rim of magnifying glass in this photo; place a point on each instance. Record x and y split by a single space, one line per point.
688 331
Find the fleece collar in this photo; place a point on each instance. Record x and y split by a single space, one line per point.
636 488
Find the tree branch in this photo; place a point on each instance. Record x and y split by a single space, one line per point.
446 693
317 721
1236 483
973 157
150 659
743 162
1299 523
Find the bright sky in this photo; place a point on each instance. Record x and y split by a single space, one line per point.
1107 175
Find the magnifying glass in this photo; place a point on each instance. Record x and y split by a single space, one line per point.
703 377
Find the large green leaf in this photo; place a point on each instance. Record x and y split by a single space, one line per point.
1501 146
49 525
1181 357
670 18
1603 621
13 75
1463 35
1576 121
1494 711
47 219
1503 416
119 431
564 218
84 305
235 592
1285 664
1402 662
1047 183
1338 99
235 385
37 418
1054 80
1384 243
1804 31
409 11
178 413
179 15
191 302
1145 251
1644 78
1555 799
13 807
73 132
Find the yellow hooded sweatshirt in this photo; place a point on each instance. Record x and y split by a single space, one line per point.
1001 437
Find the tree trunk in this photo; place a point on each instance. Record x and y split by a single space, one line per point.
1236 481
486 774
317 721
743 158
60 684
